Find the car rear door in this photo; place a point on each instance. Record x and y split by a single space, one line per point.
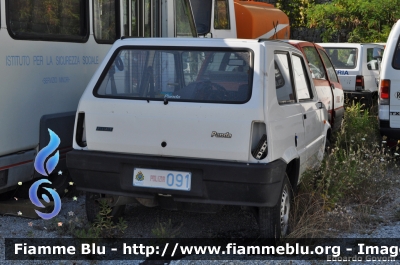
337 91
319 76
286 118
312 114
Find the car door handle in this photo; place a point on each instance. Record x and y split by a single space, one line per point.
333 86
305 116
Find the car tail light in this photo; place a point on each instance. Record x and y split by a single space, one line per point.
384 92
80 134
261 151
359 82
259 145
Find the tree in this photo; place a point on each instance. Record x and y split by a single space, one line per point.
296 10
354 20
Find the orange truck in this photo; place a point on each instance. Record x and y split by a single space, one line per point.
239 19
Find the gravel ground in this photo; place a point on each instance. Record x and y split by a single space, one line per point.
229 222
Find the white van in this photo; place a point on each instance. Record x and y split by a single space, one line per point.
358 71
238 127
389 88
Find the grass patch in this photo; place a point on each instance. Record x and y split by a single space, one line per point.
166 230
352 180
102 227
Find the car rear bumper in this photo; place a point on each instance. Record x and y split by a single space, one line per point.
385 130
213 182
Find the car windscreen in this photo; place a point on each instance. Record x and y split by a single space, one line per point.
343 58
195 75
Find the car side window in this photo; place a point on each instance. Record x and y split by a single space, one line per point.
301 79
283 82
329 67
314 62
372 64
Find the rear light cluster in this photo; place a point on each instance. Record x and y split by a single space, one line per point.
80 134
259 143
359 82
384 92
261 151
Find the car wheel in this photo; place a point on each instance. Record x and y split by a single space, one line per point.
327 147
93 207
274 221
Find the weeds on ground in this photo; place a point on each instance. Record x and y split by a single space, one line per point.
165 230
355 172
102 227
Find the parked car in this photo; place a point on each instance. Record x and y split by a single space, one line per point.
357 70
389 88
240 131
326 82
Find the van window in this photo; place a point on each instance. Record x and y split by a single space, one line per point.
301 80
221 14
283 81
191 75
396 56
343 58
314 62
58 20
372 64
329 67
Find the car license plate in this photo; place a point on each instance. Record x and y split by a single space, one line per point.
163 179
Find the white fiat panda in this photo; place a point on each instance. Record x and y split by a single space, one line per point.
195 124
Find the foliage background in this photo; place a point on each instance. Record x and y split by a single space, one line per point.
340 20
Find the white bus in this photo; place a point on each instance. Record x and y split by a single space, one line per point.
49 51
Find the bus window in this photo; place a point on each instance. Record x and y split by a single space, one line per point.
104 21
143 19
130 16
134 19
156 18
57 20
185 26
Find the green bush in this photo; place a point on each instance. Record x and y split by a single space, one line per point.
355 172
356 169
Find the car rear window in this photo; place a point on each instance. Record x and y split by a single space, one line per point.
195 75
396 56
343 58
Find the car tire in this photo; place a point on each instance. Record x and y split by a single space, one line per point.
273 222
328 147
93 207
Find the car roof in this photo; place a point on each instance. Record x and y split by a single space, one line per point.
346 44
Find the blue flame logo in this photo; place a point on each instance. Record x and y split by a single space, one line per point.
46 152
35 200
45 168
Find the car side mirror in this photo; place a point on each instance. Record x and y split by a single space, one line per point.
377 53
